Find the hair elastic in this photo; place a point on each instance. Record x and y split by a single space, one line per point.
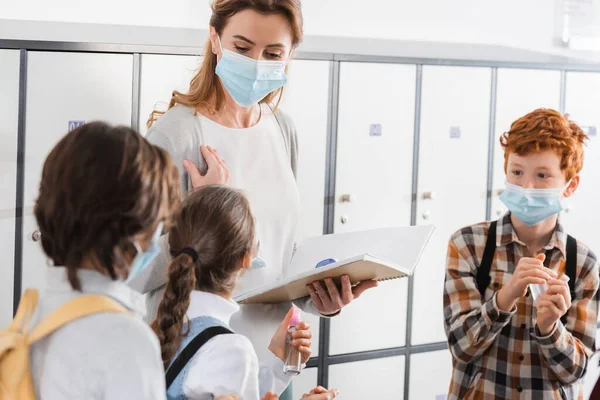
186 250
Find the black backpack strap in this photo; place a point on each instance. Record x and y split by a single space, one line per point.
190 351
483 272
571 268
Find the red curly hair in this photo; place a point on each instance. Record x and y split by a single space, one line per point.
542 130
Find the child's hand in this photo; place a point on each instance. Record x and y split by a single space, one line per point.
228 397
553 305
529 271
320 393
270 396
301 339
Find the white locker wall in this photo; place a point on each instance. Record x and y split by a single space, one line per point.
9 104
519 92
583 105
160 76
373 379
63 87
452 188
377 172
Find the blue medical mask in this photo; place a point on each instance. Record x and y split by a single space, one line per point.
247 80
144 258
532 206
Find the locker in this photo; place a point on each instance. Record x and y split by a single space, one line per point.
452 185
581 217
305 382
306 101
64 87
374 167
424 367
372 379
160 76
9 104
520 91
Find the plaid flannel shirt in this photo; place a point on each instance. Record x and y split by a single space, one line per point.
500 355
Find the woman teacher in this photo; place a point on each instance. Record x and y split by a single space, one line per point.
231 106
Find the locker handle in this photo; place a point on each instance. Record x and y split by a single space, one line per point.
429 195
36 236
348 198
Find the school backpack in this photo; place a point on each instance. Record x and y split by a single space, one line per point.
16 382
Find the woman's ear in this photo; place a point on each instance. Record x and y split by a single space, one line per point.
214 41
573 185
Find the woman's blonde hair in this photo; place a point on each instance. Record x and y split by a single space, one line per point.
205 84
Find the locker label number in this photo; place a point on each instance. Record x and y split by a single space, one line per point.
375 130
455 132
592 131
75 124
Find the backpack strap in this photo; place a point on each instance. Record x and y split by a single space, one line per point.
571 264
571 268
483 278
77 308
25 311
190 351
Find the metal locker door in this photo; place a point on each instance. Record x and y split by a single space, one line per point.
452 184
374 170
64 89
160 76
430 375
581 218
520 91
306 101
9 104
381 378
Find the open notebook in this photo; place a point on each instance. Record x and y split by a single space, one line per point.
379 254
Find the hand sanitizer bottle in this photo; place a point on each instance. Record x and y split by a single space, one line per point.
293 359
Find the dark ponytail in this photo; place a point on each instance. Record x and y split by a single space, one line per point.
171 315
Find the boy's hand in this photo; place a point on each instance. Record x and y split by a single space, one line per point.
529 271
553 305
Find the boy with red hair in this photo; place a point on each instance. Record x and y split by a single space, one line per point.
520 304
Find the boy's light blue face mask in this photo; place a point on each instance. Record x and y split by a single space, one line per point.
247 80
144 258
532 206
